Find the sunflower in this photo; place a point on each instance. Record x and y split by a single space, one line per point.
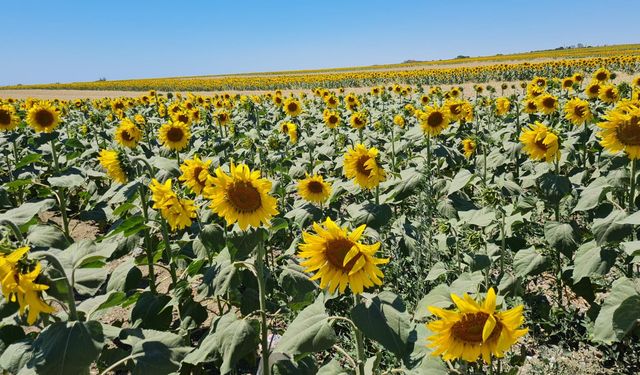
177 211
331 101
331 118
241 197
455 108
222 117
195 174
602 75
292 107
43 117
540 143
128 134
578 77
110 160
547 103
361 165
358 120
621 131
503 105
8 118
530 106
399 120
609 94
567 83
314 189
577 111
174 135
468 147
434 120
593 89
181 116
290 129
340 259
475 329
21 287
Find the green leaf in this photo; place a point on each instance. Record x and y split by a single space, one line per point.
333 368
152 311
590 196
631 248
125 277
529 262
592 260
560 235
297 286
374 216
436 271
383 318
230 340
553 187
47 236
23 214
619 313
68 347
154 352
16 356
460 180
404 186
309 332
67 181
612 228
10 334
29 159
420 360
481 218
440 296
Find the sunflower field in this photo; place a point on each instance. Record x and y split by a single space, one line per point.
407 230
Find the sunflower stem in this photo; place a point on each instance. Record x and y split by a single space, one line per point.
71 302
167 253
359 341
393 148
54 155
147 240
14 228
266 368
632 187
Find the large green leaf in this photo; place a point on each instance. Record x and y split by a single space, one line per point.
16 356
231 339
611 228
154 352
26 211
383 318
619 313
460 180
592 260
309 332
560 235
152 311
68 347
529 262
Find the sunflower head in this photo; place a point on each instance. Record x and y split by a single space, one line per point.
398 120
241 197
602 75
475 329
620 130
593 89
290 129
358 120
547 103
195 174
577 111
331 118
314 189
609 94
222 117
361 165
178 212
434 120
540 143
114 163
174 135
128 134
503 105
468 147
292 107
339 259
43 117
530 106
8 118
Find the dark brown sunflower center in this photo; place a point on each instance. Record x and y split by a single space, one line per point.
360 166
425 99
469 328
244 197
333 119
5 117
435 119
337 249
549 102
126 136
568 83
119 105
315 187
358 121
175 135
540 144
601 76
532 106
594 89
610 94
292 107
44 118
580 110
629 132
196 176
183 118
456 109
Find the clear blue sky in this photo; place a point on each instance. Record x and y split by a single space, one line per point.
66 41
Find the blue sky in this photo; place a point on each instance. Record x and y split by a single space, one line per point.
67 41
